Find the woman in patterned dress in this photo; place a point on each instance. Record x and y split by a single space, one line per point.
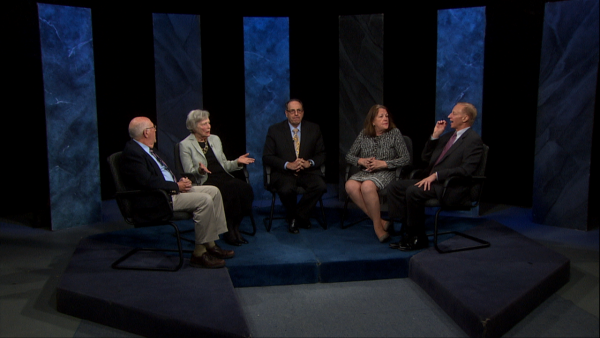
378 150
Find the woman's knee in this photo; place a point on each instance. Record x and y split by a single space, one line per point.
368 187
352 186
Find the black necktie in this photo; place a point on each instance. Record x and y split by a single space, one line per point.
160 160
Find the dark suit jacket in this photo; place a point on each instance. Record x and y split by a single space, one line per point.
461 159
140 172
279 147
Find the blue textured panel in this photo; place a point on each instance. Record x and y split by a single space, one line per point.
567 91
178 74
361 77
267 71
461 37
71 126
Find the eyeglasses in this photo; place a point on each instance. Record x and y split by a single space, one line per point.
153 127
295 111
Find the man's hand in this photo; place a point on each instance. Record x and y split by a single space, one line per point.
304 163
426 182
244 159
202 169
439 128
297 165
184 184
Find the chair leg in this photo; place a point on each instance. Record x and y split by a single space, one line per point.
344 212
180 251
482 243
253 226
270 219
324 225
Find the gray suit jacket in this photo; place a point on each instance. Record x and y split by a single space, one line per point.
191 154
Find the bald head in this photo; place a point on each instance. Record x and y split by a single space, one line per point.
142 130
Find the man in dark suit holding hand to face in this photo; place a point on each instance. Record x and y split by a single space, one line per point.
294 149
452 154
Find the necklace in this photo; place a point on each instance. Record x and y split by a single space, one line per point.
204 147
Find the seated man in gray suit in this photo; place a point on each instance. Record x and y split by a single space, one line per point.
144 169
295 150
453 154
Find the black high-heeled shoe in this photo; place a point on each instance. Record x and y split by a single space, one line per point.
242 240
231 241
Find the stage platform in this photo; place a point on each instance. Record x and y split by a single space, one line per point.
200 302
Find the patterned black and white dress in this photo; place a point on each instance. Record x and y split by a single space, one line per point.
388 147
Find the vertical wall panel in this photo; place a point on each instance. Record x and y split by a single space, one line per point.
459 76
267 77
565 117
461 37
360 77
178 76
71 125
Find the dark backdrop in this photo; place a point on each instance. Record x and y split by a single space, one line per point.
123 45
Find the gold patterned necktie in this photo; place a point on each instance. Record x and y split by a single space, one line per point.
296 141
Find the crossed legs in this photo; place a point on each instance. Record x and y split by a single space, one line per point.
407 203
206 204
366 196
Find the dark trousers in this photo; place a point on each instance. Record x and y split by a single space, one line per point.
286 185
237 201
406 202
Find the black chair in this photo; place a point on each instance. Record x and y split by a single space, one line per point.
161 206
195 181
401 172
267 183
475 184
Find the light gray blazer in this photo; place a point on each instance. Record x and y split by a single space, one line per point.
191 154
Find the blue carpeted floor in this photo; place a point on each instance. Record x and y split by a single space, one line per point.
314 255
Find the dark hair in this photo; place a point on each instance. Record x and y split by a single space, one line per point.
369 129
293 100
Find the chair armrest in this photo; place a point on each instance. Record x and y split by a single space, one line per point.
266 176
417 174
348 168
473 183
144 206
246 173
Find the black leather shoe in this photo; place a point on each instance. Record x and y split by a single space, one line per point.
293 228
242 240
395 245
414 243
231 241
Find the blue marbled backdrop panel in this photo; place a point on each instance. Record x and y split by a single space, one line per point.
565 117
360 76
71 126
178 76
460 51
267 77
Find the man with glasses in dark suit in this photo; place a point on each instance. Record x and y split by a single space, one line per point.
295 150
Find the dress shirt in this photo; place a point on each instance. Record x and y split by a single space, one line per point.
165 171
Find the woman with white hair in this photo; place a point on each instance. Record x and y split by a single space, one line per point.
202 154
